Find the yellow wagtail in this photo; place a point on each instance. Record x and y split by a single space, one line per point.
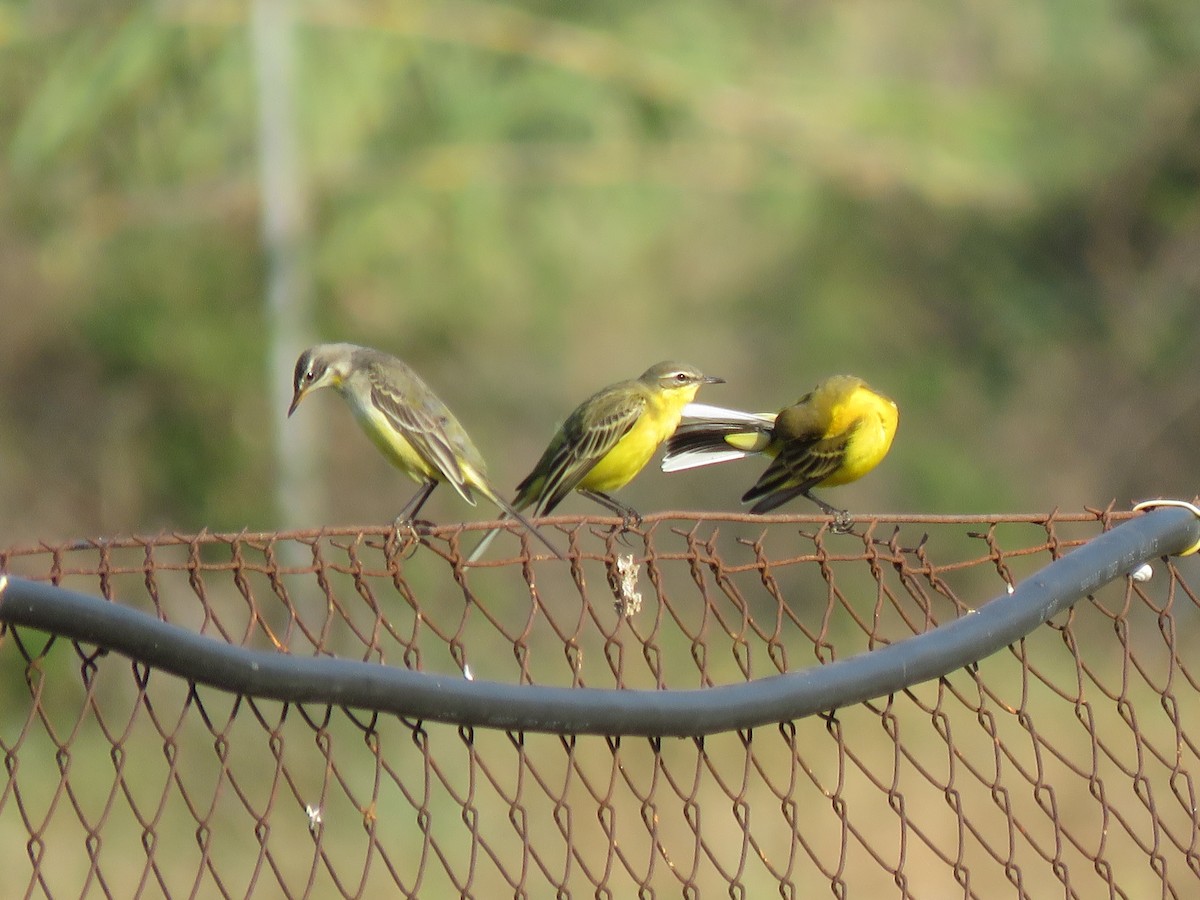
607 440
835 434
405 420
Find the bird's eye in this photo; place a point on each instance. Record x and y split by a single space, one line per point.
681 377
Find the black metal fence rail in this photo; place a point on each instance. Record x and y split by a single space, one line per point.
565 710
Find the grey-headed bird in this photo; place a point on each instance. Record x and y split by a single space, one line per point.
607 440
404 418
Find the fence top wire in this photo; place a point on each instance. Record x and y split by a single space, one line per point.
930 652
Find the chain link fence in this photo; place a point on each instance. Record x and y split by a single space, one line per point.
1062 764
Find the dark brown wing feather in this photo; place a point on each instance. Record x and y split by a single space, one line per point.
429 427
589 433
807 456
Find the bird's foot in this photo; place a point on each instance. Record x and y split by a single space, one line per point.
842 521
630 523
408 532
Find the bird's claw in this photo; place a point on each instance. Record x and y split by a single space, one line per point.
631 521
407 533
842 521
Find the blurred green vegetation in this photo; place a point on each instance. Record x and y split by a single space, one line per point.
989 210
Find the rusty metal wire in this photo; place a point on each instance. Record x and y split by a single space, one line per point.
1062 763
870 675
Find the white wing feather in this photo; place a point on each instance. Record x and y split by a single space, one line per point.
694 459
702 411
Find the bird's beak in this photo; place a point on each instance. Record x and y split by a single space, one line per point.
296 398
713 379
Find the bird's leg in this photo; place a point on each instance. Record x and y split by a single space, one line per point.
416 501
630 517
407 517
842 520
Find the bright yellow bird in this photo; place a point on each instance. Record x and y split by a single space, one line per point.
608 439
405 419
835 434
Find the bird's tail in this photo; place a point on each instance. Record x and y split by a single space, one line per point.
713 434
508 511
484 541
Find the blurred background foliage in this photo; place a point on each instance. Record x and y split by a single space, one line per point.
987 209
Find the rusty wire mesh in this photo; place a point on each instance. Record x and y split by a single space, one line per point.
1064 763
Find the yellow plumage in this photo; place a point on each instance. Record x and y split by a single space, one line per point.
395 446
637 447
403 418
610 437
607 440
835 434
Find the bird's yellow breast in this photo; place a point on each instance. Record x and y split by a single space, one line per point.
870 439
631 453
392 442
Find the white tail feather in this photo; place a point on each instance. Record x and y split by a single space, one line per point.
694 459
702 411
484 541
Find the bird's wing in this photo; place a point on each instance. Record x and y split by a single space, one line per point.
585 438
426 424
807 456
706 436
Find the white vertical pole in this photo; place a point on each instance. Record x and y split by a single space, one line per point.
285 235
